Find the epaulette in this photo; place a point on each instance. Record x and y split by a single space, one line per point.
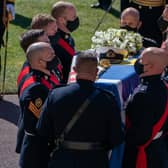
142 88
139 89
148 42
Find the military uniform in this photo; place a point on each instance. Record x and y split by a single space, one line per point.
144 110
165 75
163 24
33 93
25 70
150 11
63 45
147 42
99 123
2 13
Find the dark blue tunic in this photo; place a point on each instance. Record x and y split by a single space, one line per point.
31 100
62 53
100 122
144 109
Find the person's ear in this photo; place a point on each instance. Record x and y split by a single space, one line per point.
62 20
41 62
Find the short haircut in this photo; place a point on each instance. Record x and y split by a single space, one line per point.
86 61
59 8
131 11
29 37
40 21
154 55
36 51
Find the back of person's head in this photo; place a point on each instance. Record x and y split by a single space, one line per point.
86 65
130 17
45 22
59 8
38 54
153 62
32 36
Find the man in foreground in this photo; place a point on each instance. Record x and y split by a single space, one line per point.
83 120
147 114
32 96
63 43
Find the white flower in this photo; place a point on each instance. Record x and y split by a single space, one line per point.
117 38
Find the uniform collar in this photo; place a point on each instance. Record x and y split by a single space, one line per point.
63 34
85 82
151 79
39 73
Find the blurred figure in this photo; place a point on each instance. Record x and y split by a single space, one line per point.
63 43
130 20
7 13
32 96
163 23
91 126
45 22
147 114
165 48
150 11
165 73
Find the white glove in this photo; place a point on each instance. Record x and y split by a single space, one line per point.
11 9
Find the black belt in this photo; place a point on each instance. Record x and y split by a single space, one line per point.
74 145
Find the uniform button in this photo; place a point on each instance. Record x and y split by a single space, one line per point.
140 7
66 36
46 77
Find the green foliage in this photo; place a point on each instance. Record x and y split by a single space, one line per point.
26 9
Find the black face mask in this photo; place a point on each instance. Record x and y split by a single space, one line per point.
73 25
139 68
129 28
163 24
52 64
